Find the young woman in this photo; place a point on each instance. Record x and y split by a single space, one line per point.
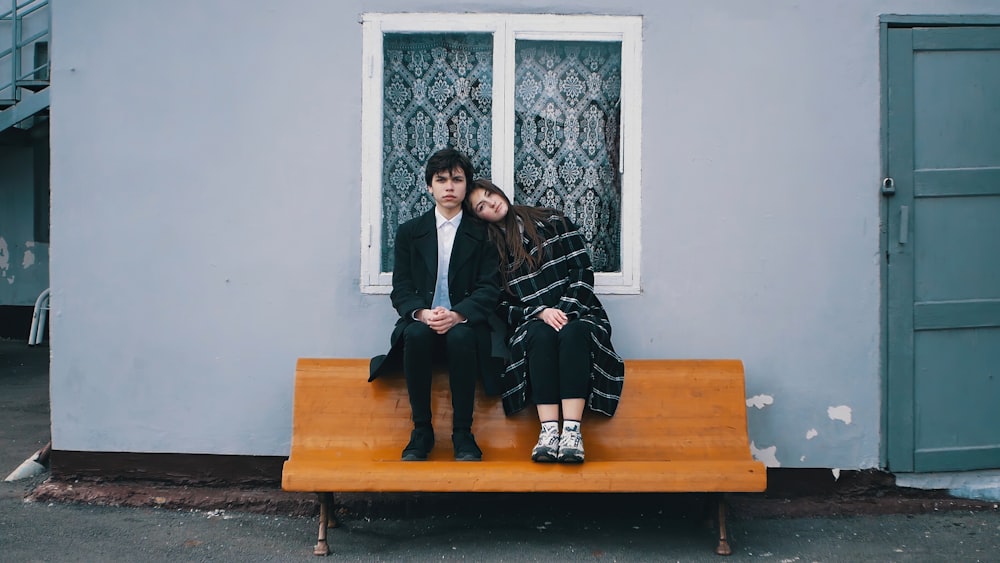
559 336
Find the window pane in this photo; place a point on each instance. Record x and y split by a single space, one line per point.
437 92
567 98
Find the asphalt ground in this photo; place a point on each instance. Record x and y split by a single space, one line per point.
42 520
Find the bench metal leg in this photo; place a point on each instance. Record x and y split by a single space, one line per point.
326 520
723 547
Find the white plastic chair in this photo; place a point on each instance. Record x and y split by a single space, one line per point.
38 318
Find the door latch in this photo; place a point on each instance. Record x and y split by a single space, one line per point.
904 224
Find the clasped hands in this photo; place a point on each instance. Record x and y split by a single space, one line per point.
439 319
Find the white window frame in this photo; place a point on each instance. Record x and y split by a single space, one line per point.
506 29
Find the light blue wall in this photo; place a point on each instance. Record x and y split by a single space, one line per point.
24 262
206 213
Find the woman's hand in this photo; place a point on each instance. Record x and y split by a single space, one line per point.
553 317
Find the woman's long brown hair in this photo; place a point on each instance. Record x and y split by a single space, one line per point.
506 235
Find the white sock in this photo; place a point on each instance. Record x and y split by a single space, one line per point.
550 427
571 426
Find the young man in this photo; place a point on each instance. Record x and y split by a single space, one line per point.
444 287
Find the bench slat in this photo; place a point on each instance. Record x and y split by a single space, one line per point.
317 474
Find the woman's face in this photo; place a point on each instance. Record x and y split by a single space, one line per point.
488 206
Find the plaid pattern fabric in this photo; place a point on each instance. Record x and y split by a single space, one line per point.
566 281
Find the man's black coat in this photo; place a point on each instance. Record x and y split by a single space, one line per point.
473 287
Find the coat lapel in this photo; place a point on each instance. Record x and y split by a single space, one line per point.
425 244
467 240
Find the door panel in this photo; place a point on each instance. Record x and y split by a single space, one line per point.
955 242
957 108
943 237
955 398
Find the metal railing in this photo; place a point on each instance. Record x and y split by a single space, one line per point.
29 29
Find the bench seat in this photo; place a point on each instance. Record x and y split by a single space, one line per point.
680 428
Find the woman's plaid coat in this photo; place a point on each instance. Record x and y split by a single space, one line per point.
565 280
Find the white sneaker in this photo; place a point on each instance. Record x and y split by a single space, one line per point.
547 448
570 447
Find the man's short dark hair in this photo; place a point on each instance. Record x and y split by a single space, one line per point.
446 160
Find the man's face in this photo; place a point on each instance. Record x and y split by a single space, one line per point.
448 190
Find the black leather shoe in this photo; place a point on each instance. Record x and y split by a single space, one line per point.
421 442
465 446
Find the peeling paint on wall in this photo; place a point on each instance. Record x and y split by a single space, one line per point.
760 401
29 259
843 412
766 455
4 257
812 433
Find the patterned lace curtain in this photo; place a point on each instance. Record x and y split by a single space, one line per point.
567 101
437 93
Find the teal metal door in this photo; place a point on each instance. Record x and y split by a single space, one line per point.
942 224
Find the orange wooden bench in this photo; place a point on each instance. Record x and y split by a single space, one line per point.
347 435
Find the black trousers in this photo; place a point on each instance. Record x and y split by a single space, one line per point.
421 346
558 361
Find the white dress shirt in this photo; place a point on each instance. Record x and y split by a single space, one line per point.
446 229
